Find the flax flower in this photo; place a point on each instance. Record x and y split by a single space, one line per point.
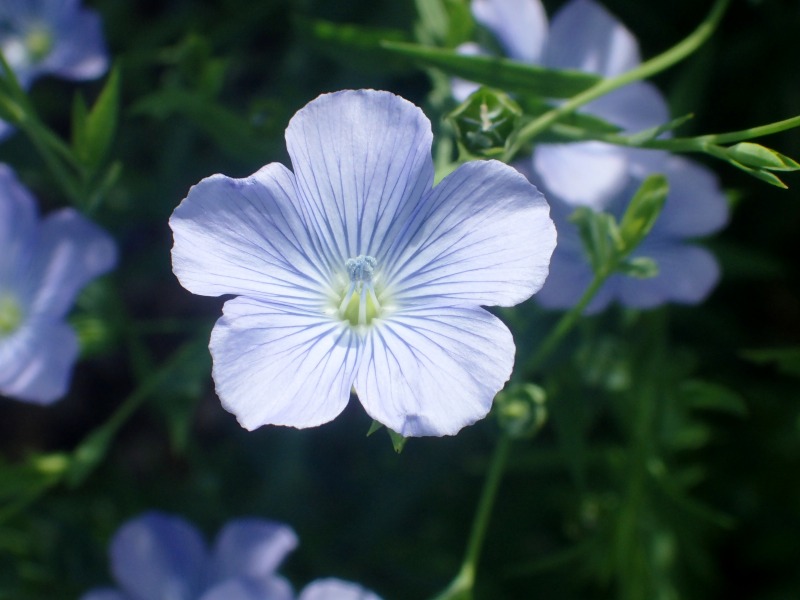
43 266
157 555
352 271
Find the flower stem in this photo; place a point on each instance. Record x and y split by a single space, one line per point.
568 320
647 69
461 586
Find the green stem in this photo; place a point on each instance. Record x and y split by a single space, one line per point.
647 69
568 320
700 143
461 586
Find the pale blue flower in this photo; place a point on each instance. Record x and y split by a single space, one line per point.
585 37
43 266
687 273
51 37
352 271
158 556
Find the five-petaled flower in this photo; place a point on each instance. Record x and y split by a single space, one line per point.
352 271
43 266
584 36
51 37
157 555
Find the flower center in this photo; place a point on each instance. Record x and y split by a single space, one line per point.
359 304
10 315
38 42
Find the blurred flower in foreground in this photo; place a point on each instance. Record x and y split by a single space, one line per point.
43 266
51 37
584 36
157 556
353 272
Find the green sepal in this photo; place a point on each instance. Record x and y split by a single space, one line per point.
761 157
501 73
484 121
643 211
761 174
398 441
521 410
641 267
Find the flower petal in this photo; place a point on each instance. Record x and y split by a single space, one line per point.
247 236
335 589
461 88
686 274
432 371
251 548
79 51
274 365
520 25
159 556
586 37
37 359
18 223
582 174
273 588
70 252
696 205
570 276
635 107
104 594
482 236
362 160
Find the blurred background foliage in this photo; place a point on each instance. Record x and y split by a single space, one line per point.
667 467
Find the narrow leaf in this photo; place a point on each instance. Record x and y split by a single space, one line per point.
502 73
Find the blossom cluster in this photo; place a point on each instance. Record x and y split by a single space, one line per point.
584 36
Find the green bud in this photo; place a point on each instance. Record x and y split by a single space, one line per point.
642 212
484 121
640 267
521 410
760 157
599 234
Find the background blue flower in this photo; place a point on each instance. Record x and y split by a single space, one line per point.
43 266
159 556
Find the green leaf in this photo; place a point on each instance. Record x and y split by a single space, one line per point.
652 133
501 73
79 115
705 395
100 124
787 360
444 22
643 211
354 45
